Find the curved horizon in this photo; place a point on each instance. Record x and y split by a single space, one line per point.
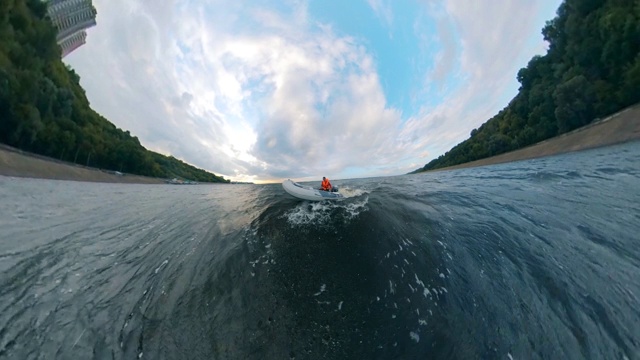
264 93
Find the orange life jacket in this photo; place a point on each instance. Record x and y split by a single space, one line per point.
326 185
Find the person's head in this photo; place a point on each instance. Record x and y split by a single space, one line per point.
324 178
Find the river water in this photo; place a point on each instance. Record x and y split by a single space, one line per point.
536 259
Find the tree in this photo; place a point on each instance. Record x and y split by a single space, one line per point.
591 69
574 103
44 109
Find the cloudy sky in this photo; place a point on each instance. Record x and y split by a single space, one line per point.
268 90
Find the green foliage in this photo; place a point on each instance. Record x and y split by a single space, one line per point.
574 103
592 69
44 109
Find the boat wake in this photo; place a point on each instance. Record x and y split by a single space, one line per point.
350 193
327 212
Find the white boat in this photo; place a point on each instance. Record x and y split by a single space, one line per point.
308 192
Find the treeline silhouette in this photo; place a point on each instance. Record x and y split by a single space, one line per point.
43 108
591 70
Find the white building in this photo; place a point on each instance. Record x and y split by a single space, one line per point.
71 18
73 42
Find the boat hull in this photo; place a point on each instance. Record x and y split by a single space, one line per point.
308 193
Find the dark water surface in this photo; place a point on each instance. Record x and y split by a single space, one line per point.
530 260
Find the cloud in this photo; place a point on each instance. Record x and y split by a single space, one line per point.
475 68
383 10
447 57
262 95
261 91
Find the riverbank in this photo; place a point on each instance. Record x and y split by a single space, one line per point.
17 163
621 127
618 128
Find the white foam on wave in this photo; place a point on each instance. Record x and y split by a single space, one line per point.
309 213
320 212
426 292
323 287
355 208
161 265
414 336
349 192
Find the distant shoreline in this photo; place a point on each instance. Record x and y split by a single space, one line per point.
18 163
620 127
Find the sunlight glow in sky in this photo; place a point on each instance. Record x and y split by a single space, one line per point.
270 90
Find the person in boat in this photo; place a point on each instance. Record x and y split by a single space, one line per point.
326 185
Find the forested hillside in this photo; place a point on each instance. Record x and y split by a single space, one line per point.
591 70
44 110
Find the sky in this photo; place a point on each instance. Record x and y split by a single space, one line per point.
264 91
